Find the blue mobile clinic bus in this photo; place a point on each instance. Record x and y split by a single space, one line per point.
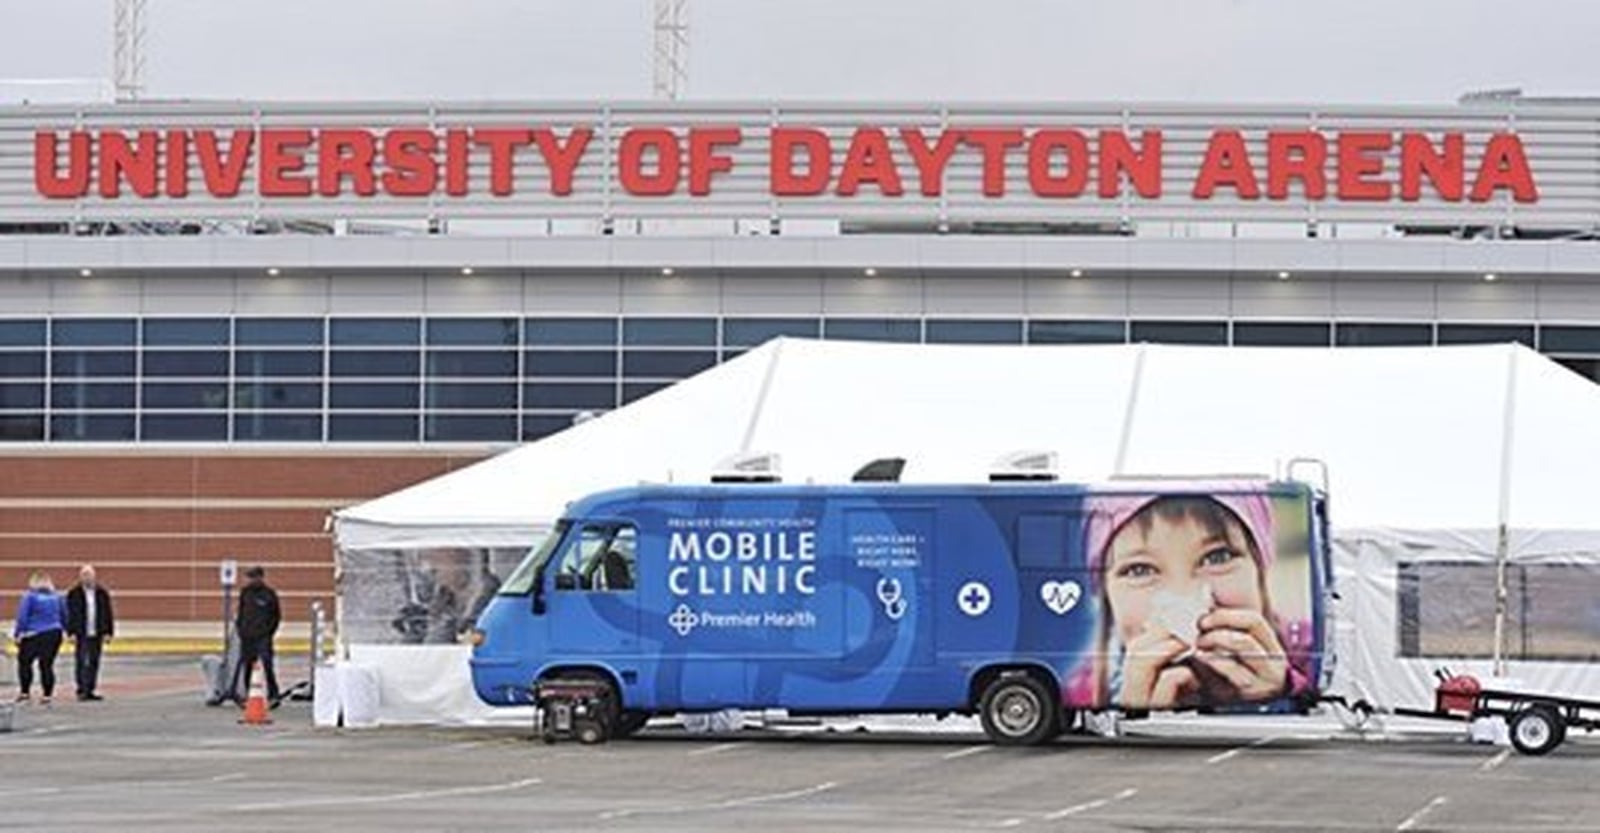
1024 603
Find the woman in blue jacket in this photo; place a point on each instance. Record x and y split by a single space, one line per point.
41 619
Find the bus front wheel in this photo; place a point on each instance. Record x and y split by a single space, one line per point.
1019 710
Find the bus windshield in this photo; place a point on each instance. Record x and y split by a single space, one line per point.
522 579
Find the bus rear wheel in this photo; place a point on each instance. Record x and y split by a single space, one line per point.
1019 710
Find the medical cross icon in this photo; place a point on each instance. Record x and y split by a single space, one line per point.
973 598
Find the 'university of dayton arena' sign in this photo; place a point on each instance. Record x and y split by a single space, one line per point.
793 162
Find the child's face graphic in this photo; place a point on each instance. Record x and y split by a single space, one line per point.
1150 564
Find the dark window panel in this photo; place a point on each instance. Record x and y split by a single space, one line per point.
22 333
1485 334
268 332
17 397
185 363
1587 368
1281 334
182 395
448 395
466 331
271 363
478 363
569 395
471 428
73 395
183 427
275 427
638 390
374 363
539 426
1077 332
1180 332
957 331
872 329
20 428
373 427
670 332
186 332
22 365
663 363
576 332
1382 335
92 427
750 332
93 332
373 395
374 331
278 396
569 363
74 363
1555 339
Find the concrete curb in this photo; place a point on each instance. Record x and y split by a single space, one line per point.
150 646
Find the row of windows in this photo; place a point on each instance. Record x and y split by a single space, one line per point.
279 427
289 364
174 334
296 396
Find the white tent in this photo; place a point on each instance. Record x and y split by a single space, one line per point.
1431 451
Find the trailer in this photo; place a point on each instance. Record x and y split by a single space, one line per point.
1538 722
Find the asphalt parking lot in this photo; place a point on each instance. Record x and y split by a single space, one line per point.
152 757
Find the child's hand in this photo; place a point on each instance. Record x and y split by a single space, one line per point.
1149 679
1243 649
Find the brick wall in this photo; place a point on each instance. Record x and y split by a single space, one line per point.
156 524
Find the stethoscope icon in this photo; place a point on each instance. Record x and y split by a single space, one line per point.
892 597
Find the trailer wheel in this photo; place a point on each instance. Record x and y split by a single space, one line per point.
1018 710
1537 730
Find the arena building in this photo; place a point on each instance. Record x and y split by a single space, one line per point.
221 321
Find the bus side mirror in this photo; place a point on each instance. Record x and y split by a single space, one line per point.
538 595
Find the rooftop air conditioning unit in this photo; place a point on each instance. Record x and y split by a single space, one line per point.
748 467
1024 466
881 470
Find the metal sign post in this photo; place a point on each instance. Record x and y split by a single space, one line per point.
228 576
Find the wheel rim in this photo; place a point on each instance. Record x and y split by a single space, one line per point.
1533 730
1016 711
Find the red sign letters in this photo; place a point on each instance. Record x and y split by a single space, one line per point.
801 162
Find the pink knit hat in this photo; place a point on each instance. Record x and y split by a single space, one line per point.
1109 513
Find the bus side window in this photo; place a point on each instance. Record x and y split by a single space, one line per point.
581 551
616 564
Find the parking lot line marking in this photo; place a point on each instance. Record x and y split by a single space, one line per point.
383 799
721 747
1089 805
962 753
1496 760
1412 820
1223 756
746 801
30 791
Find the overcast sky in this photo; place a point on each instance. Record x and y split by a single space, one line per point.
1355 51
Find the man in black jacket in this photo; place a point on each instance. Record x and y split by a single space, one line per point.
256 623
91 624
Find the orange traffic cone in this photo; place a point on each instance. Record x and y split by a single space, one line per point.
255 705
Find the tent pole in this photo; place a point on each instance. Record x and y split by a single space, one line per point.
761 396
1117 466
1502 547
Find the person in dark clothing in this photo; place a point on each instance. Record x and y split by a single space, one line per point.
257 622
91 624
